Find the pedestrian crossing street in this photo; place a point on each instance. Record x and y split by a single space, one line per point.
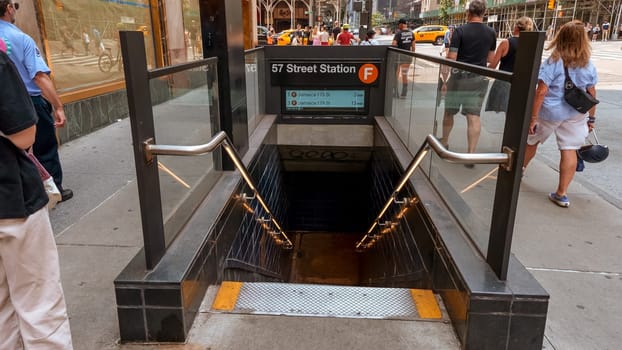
597 54
606 54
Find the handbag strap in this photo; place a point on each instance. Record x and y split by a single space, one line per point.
42 172
593 133
595 137
568 84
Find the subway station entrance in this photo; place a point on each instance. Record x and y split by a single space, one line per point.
308 187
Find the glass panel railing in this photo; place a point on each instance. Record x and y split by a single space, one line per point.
397 110
185 112
254 80
467 116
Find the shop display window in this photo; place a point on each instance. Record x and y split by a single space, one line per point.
83 39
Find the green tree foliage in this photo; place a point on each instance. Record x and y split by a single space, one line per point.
443 10
376 19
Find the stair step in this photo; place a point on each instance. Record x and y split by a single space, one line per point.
327 301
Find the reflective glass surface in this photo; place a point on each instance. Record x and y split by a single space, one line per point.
185 112
83 39
466 112
254 61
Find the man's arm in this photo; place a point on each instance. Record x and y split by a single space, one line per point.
25 138
412 48
15 106
48 91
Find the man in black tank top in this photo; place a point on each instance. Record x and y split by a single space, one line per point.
474 43
404 39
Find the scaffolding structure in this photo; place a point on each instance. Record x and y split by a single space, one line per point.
502 14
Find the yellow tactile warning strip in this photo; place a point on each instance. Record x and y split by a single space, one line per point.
326 301
426 303
227 296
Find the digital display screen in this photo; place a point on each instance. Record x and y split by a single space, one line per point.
325 100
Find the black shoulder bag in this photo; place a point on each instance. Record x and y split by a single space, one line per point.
578 98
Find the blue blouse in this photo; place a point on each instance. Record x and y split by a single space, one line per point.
554 107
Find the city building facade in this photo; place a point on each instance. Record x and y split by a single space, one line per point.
547 14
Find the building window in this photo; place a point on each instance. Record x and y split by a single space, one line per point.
183 31
83 39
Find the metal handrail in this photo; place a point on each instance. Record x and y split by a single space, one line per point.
220 139
504 159
181 67
472 68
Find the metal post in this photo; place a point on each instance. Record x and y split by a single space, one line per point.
617 26
222 40
141 122
339 12
292 7
525 76
318 14
544 26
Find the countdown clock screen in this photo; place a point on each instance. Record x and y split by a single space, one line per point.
325 101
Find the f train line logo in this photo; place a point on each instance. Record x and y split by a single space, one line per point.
368 73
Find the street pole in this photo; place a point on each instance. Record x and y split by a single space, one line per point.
617 27
574 9
319 13
339 12
293 14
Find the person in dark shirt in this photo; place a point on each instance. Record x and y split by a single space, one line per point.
35 74
336 30
605 28
404 39
474 43
32 306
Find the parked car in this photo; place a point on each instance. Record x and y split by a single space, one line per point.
430 34
262 35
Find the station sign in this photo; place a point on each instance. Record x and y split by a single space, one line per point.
324 73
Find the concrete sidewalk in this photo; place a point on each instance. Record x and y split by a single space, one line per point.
573 252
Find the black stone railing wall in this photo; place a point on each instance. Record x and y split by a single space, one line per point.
486 312
254 255
395 260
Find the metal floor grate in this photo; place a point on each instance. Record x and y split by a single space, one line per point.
325 300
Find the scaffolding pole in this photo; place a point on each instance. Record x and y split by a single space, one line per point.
617 27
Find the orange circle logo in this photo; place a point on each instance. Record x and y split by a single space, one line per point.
368 73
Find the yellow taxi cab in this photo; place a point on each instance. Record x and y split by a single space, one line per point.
430 34
284 37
